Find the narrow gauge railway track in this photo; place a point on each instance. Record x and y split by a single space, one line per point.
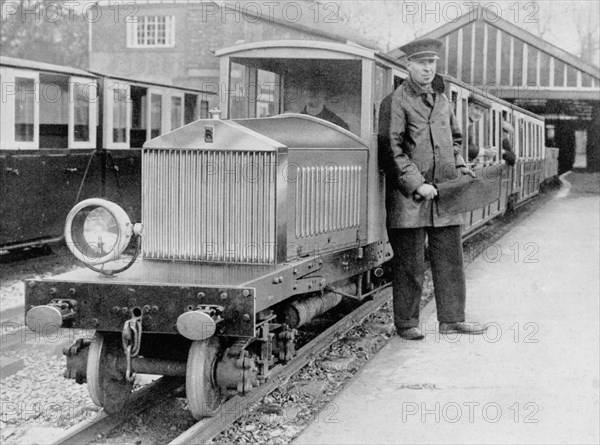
147 397
202 431
232 410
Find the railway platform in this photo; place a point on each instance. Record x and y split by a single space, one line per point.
532 378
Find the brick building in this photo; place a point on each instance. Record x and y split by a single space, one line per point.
174 41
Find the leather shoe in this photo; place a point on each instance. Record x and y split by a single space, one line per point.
462 327
411 334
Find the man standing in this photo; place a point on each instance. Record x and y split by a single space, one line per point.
424 149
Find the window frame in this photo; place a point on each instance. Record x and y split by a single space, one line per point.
109 110
165 115
92 117
181 97
8 112
132 32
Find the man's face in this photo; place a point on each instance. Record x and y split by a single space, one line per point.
315 97
475 112
422 71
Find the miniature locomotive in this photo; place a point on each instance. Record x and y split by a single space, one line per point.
251 226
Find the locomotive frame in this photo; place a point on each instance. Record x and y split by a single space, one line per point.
252 226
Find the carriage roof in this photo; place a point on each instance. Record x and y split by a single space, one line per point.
34 65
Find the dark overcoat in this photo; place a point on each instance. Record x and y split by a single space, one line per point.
418 143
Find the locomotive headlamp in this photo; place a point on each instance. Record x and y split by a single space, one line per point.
97 231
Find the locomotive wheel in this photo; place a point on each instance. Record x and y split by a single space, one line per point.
107 387
203 394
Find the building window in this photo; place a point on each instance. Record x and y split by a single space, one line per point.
151 32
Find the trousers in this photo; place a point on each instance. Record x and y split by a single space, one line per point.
408 264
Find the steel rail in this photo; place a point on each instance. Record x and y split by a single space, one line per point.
148 396
235 407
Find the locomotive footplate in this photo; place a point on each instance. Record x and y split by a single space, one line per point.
106 306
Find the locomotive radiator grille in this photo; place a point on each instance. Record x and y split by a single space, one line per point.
327 199
209 205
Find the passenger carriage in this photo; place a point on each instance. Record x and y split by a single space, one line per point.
61 125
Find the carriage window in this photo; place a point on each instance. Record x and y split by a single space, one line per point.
532 139
24 109
494 134
155 115
204 109
120 114
527 138
454 101
175 112
476 134
521 139
486 128
190 107
82 111
54 111
465 128
139 107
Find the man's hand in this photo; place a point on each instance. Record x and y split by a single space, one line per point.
467 171
427 191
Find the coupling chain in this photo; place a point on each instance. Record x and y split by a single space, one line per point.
132 340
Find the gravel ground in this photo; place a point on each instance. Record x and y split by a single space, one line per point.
38 396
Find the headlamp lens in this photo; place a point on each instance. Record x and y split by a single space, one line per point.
97 231
100 232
